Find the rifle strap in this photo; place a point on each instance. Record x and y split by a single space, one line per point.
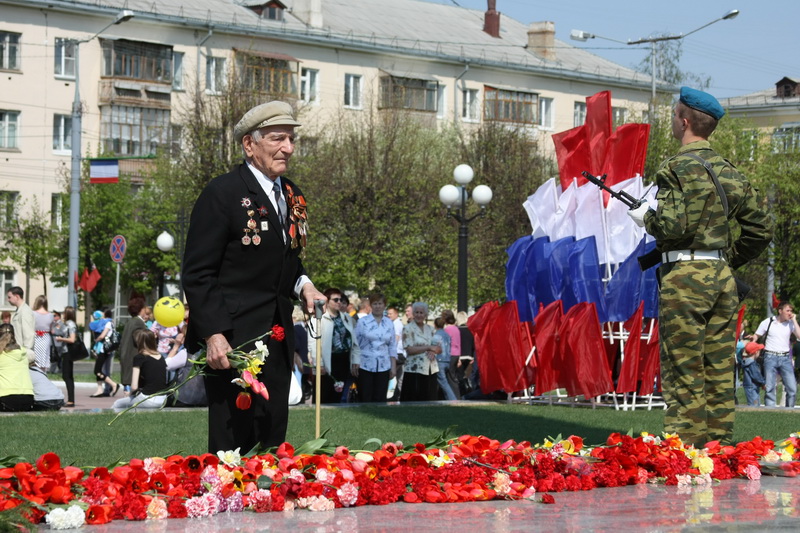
710 169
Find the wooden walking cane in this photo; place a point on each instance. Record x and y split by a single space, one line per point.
317 377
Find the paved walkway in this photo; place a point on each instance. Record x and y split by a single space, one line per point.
769 504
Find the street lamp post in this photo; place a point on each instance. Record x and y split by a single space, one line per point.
75 177
166 242
579 35
455 199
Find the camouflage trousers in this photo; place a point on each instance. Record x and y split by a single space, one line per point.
697 303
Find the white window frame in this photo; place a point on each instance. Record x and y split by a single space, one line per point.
9 129
177 71
8 208
216 74
62 134
619 115
10 56
57 210
352 91
7 280
470 105
65 58
441 100
546 113
579 114
309 85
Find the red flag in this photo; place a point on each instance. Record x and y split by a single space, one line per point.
545 336
501 348
92 279
739 322
573 155
75 282
583 362
650 364
84 279
598 128
629 371
625 153
775 301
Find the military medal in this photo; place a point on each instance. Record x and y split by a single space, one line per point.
264 225
256 239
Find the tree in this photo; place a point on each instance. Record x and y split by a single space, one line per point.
34 244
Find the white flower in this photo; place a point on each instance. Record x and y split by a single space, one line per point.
71 518
261 350
239 381
230 458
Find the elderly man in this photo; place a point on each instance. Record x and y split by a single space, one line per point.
241 271
701 198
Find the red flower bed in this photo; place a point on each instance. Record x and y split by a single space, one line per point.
469 468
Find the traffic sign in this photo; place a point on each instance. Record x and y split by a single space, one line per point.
117 249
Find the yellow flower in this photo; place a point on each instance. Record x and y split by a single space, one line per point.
704 464
254 366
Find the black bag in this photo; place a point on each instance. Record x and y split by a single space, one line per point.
77 350
111 341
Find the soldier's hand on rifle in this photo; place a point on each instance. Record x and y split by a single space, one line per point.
638 213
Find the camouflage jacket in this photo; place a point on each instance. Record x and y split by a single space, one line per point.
691 216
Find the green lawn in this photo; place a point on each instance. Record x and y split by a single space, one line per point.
86 439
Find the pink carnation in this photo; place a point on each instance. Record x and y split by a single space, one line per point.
323 475
752 472
200 506
261 501
348 494
315 503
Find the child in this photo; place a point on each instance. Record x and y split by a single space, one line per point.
149 374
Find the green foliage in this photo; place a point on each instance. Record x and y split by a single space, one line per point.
33 243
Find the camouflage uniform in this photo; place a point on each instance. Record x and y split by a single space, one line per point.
698 298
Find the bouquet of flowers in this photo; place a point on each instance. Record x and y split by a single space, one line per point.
248 365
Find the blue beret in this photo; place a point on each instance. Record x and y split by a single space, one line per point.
701 101
97 315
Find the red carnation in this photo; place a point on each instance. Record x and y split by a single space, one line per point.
548 498
278 333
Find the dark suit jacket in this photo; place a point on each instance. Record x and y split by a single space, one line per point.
232 288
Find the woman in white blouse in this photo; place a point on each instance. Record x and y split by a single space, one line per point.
420 369
375 336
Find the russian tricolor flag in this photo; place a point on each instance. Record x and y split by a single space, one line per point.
104 171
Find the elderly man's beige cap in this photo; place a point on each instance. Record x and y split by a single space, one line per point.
273 113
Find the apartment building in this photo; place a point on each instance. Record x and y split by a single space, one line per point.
444 63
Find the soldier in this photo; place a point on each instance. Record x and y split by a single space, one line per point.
698 296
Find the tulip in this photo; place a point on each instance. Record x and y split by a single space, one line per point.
244 401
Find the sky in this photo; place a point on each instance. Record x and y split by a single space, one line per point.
743 55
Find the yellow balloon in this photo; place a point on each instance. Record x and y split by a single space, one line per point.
168 311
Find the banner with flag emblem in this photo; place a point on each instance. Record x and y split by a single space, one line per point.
104 171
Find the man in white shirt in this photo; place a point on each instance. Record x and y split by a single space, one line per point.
778 352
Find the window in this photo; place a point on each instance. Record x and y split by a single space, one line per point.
137 60
510 106
273 75
56 210
65 57
546 113
135 131
408 93
352 91
8 208
441 101
215 74
177 71
470 111
273 12
579 114
9 50
62 133
309 90
786 139
8 129
7 281
618 116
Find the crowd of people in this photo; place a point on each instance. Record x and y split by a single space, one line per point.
35 342
370 354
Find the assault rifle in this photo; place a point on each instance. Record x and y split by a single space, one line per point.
649 259
622 196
